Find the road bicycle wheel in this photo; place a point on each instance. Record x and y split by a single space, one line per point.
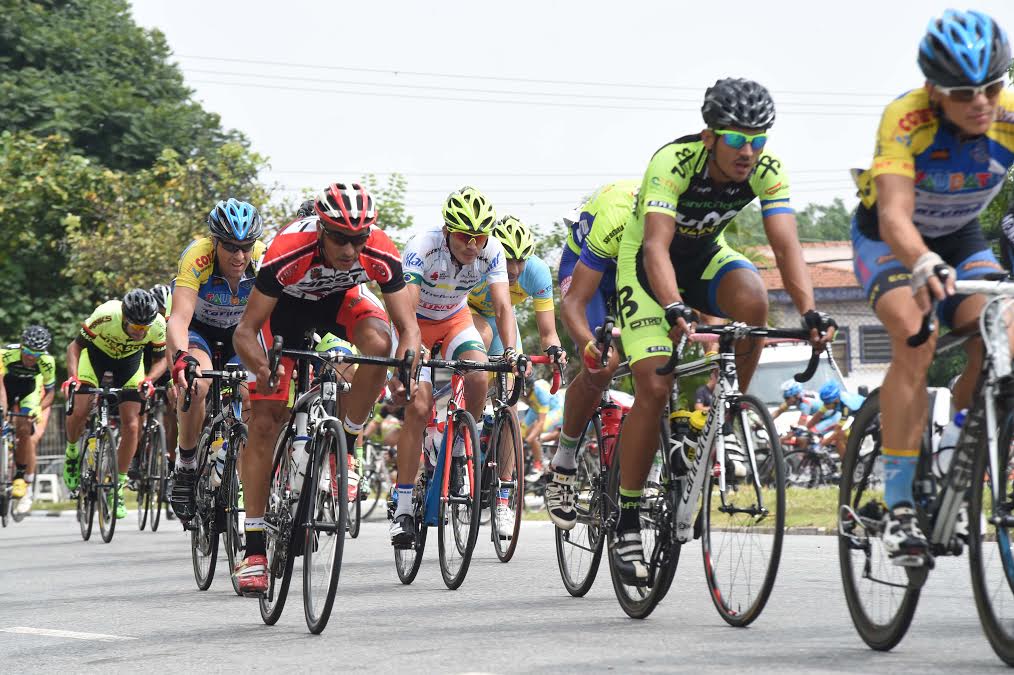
235 544
5 476
327 491
507 473
742 528
203 533
407 561
353 506
85 495
143 487
280 519
375 467
158 475
881 597
800 470
661 553
579 550
989 533
458 520
107 481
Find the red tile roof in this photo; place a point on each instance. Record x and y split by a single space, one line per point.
829 263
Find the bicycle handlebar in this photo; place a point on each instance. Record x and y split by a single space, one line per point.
996 284
604 336
557 369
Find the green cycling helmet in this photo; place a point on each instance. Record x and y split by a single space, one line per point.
468 210
515 236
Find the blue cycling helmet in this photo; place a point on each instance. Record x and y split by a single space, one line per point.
791 388
235 220
963 49
830 392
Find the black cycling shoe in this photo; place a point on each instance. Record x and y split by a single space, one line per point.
458 486
627 556
403 532
181 493
134 471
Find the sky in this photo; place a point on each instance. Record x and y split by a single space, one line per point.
537 103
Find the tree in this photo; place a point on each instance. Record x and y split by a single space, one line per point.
819 222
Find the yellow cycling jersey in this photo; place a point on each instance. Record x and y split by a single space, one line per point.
104 330
598 230
217 305
955 177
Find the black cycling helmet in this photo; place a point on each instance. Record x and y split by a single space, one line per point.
139 307
235 220
964 49
36 338
306 209
733 102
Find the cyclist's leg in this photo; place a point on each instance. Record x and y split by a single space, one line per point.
191 421
486 325
462 341
74 425
362 317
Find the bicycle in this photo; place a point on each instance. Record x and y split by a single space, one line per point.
979 475
809 464
307 509
456 517
216 487
152 463
8 468
376 480
734 503
99 474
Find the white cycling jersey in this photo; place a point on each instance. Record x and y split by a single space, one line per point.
443 283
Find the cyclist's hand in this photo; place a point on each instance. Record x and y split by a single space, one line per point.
822 328
591 356
70 382
932 279
559 353
682 321
397 392
146 388
183 360
263 375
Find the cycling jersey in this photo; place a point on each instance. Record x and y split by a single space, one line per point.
807 405
955 178
103 331
542 402
536 281
595 236
24 383
294 265
217 307
444 285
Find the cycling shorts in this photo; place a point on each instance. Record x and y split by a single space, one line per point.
197 341
644 330
879 271
456 333
496 346
601 303
28 393
339 314
127 372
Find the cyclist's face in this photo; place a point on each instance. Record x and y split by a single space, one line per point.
515 268
135 333
464 249
734 164
340 253
233 263
974 117
28 360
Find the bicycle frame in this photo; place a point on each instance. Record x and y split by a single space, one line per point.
436 490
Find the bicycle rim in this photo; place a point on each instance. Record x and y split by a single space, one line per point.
157 476
324 538
407 561
142 486
742 535
85 498
203 535
353 508
579 550
234 544
879 595
278 532
107 481
458 522
662 556
990 555
511 453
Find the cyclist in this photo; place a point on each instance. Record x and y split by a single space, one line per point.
943 151
113 339
838 406
27 375
213 284
528 276
313 277
1007 241
587 288
793 396
673 257
442 266
544 416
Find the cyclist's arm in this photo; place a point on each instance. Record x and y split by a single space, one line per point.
546 321
659 230
574 304
178 327
781 230
158 365
816 417
73 355
895 208
3 395
244 338
500 294
401 305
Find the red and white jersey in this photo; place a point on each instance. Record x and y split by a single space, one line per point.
294 265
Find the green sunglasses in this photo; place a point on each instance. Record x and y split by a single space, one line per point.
736 140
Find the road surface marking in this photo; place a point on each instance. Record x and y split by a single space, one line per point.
49 632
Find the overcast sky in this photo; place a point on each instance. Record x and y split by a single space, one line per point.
537 103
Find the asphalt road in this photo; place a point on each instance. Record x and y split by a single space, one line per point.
138 594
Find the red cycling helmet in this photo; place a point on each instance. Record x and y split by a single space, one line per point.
350 207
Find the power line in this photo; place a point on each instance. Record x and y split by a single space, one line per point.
502 78
609 174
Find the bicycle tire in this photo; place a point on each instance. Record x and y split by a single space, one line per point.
203 534
107 484
158 476
279 510
353 508
234 544
796 463
863 535
994 593
407 561
452 517
507 423
638 602
728 560
586 536
5 488
330 462
374 465
85 496
143 501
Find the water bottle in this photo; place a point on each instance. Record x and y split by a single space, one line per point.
487 430
432 438
217 455
948 441
691 442
299 455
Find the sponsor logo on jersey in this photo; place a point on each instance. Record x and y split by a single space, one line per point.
413 260
916 118
941 155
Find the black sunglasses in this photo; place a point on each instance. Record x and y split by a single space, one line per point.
341 238
236 248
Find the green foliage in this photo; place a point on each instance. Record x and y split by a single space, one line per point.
391 213
819 222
